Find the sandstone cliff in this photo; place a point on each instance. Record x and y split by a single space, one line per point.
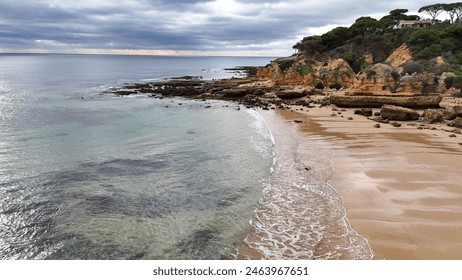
397 74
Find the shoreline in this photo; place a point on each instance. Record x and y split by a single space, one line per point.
301 216
397 181
399 184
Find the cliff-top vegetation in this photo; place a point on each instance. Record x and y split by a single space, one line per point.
380 37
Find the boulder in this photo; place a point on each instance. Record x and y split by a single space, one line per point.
434 115
367 112
458 122
292 93
398 113
452 112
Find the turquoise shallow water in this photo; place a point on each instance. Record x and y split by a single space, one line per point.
90 176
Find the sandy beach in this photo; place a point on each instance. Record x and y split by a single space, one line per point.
401 186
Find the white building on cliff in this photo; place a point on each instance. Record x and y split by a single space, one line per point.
414 23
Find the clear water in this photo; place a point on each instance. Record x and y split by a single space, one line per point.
90 176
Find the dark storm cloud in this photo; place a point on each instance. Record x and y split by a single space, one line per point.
175 25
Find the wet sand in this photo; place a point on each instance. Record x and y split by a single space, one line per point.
401 186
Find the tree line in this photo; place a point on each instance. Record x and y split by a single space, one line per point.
368 30
453 10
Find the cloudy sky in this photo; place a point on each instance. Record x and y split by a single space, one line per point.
190 27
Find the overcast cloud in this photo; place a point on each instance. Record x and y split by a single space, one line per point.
236 27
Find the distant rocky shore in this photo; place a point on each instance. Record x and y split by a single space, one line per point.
254 91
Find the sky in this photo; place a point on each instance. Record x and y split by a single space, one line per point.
185 27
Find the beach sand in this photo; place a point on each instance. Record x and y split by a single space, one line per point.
401 186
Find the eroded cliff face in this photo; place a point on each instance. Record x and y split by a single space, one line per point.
380 77
392 76
308 72
399 56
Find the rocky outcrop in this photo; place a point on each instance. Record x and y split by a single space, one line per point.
452 107
380 77
400 56
397 113
292 92
301 71
377 100
336 72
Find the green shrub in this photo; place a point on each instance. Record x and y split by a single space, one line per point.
350 57
430 52
457 82
318 85
450 44
376 38
411 67
359 65
286 65
458 57
454 30
448 82
335 85
422 38
457 94
305 69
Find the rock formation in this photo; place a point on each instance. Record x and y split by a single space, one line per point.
397 113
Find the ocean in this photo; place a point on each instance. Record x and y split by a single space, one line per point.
86 175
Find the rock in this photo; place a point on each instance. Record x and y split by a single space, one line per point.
376 79
398 113
396 124
237 92
434 115
457 122
377 125
380 120
350 118
377 101
292 93
452 112
367 112
452 135
298 121
400 56
449 101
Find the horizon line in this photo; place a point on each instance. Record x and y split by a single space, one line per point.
165 53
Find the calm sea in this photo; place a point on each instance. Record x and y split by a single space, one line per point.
85 175
91 176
